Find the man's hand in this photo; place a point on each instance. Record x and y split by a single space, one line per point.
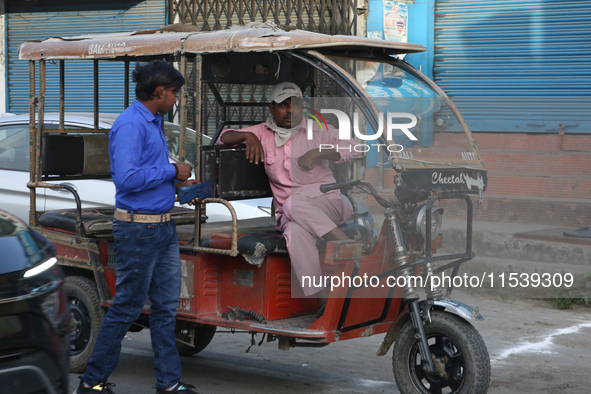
308 160
254 149
188 183
184 172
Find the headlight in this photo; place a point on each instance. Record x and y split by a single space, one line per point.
365 223
436 220
41 267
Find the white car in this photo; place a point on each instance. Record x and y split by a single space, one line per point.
14 171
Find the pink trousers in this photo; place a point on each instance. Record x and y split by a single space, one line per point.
304 220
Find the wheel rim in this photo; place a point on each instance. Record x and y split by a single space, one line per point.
80 325
448 376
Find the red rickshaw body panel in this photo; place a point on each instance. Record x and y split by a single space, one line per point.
265 290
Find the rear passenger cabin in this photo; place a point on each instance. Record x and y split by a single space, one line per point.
71 154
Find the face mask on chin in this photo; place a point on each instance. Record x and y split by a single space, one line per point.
282 134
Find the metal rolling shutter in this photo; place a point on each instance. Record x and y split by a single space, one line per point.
516 65
44 19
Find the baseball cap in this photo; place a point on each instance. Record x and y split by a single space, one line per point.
285 90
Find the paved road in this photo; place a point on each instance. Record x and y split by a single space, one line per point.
534 348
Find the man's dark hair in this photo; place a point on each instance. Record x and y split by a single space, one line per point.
148 76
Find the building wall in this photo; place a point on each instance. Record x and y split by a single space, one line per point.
532 178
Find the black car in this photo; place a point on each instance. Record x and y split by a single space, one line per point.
34 319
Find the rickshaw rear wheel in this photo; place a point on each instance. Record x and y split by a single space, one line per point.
86 316
460 356
203 336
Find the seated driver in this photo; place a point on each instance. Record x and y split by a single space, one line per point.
296 167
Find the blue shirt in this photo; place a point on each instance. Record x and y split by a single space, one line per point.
143 176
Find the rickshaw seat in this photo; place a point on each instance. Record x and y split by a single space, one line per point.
245 226
258 237
98 221
254 247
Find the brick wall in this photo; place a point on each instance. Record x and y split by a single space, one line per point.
532 178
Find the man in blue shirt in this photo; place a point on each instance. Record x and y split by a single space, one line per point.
146 243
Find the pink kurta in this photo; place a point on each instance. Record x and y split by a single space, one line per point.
304 213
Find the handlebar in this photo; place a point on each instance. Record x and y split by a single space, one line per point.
346 185
339 185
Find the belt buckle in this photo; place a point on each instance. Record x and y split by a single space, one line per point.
131 214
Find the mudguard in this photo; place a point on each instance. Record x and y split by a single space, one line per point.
466 312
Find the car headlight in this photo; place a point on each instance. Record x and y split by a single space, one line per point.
436 221
41 267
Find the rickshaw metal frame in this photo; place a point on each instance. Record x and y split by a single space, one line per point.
312 57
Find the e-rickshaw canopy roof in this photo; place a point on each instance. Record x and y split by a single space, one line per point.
179 38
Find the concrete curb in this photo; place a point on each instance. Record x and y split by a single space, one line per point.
513 279
506 246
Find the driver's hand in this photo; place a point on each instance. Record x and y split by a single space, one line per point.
308 160
188 183
254 149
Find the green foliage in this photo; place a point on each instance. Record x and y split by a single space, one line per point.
578 293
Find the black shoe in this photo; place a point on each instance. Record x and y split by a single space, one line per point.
99 388
179 388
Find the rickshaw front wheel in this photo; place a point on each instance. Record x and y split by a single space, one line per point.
460 357
203 336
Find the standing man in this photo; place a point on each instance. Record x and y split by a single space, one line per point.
146 244
297 166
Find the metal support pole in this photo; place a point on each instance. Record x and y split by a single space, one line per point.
62 95
41 120
381 169
183 109
126 102
197 116
36 137
198 135
32 140
195 87
96 95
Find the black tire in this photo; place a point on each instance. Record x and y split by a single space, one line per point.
86 316
203 336
459 352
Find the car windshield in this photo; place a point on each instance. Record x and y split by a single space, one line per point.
421 125
172 134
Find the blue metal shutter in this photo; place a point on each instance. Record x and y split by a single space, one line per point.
61 19
516 65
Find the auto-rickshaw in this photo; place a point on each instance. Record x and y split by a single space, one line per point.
237 274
